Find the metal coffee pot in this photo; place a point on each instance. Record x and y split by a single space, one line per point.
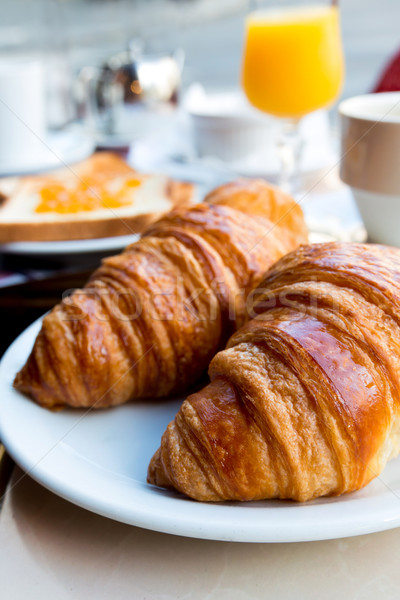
110 98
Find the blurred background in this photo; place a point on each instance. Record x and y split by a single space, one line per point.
74 33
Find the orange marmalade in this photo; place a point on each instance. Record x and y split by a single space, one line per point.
87 194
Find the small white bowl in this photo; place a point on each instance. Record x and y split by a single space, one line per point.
370 161
225 126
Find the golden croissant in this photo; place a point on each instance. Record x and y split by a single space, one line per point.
304 401
150 319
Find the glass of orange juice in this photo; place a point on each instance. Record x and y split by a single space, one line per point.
292 65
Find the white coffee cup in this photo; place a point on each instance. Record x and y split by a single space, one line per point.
370 165
22 110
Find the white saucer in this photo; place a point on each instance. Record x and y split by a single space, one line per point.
59 149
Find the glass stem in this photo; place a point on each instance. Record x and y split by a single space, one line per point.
290 146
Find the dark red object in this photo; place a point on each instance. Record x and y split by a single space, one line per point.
390 78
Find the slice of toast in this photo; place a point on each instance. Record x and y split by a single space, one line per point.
100 197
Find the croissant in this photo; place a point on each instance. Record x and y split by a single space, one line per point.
150 319
304 401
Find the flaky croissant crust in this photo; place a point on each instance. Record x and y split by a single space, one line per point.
150 319
304 402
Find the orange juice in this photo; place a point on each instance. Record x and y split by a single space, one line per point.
293 61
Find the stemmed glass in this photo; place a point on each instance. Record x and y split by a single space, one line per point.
292 65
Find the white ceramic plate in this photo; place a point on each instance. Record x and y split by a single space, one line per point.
98 460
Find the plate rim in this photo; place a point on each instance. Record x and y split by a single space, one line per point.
60 247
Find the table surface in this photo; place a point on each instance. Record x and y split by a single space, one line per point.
66 552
